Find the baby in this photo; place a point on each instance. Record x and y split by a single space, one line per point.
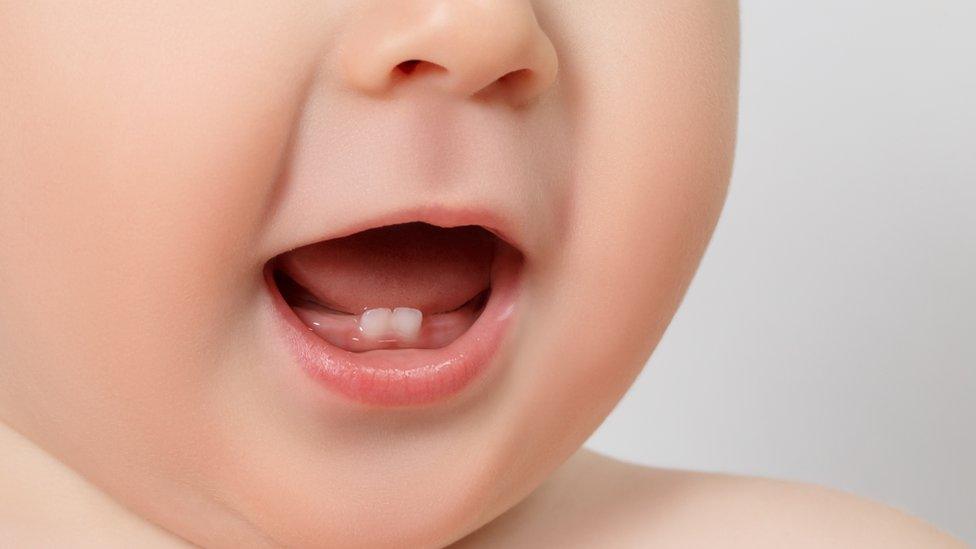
363 273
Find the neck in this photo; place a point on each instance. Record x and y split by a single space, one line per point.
45 503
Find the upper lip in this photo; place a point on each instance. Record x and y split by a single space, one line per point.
500 223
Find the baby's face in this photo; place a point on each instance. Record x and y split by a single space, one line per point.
183 321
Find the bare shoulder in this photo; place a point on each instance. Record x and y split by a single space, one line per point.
598 501
690 508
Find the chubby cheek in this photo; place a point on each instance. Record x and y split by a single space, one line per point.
135 180
656 135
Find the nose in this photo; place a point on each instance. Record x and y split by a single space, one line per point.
480 49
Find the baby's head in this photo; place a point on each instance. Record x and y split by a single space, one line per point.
357 271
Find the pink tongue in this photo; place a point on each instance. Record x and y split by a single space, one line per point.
409 265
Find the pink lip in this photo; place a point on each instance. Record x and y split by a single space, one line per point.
405 377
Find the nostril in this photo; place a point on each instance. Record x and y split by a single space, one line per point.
511 86
514 86
407 67
412 66
484 49
516 78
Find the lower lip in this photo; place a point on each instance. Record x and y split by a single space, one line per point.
405 377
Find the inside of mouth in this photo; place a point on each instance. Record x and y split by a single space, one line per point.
410 285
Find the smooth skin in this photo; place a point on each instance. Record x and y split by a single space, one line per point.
155 155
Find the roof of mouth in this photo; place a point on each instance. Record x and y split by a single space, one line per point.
434 269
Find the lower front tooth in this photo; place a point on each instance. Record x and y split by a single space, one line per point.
406 322
375 323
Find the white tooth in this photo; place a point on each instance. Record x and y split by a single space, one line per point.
375 323
406 322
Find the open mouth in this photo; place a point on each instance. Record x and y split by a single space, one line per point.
401 314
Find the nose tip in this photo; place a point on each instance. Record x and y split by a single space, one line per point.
482 49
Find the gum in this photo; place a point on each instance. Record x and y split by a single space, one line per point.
342 330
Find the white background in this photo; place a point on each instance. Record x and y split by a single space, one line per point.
830 334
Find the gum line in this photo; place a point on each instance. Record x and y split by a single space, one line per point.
361 333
